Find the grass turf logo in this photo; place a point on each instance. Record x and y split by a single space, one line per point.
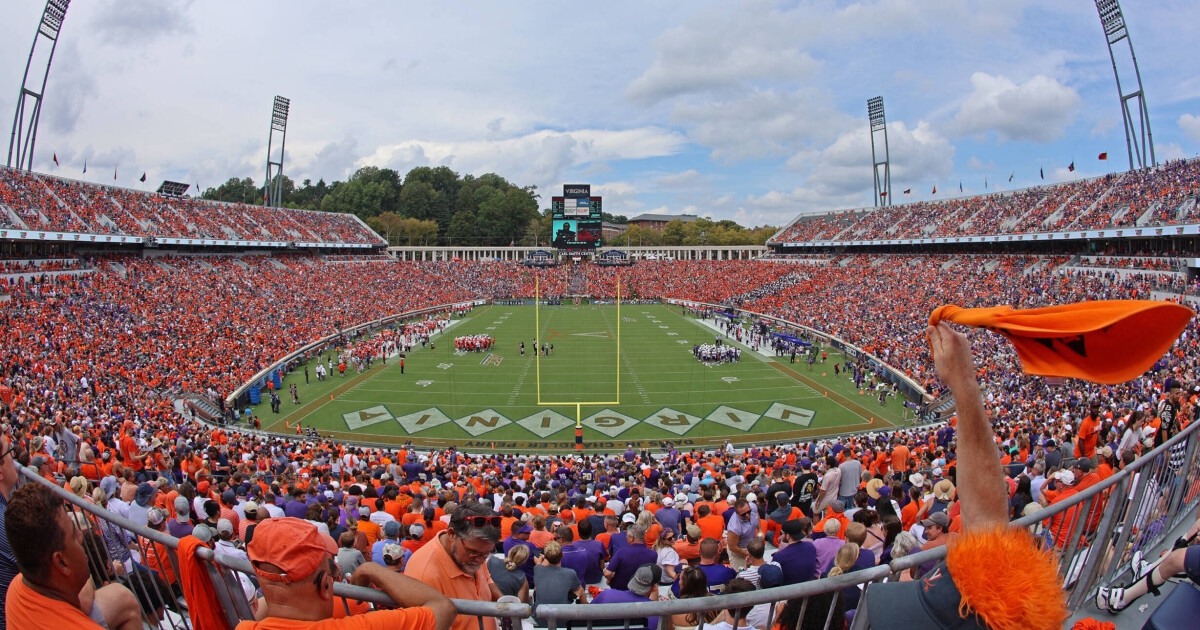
491 359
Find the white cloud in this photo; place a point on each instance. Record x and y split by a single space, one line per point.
125 22
1170 151
1103 126
1190 124
540 158
764 123
977 164
687 179
1039 110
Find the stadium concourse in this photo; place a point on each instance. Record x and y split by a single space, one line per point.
97 345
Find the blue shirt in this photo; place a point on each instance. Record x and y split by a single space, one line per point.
625 563
798 561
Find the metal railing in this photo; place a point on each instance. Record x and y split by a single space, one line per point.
1094 533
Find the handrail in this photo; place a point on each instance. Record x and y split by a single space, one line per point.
1091 573
342 589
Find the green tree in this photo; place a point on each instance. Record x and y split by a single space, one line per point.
673 232
236 190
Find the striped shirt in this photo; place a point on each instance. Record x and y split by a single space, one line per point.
8 563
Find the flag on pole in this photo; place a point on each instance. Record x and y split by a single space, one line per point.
883 194
84 165
1014 173
985 182
907 190
114 173
1071 167
934 190
960 186
1042 172
56 159
1104 156
143 179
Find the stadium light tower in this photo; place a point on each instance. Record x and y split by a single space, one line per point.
29 103
883 185
274 182
1138 139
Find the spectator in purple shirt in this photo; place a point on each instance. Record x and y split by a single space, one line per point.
625 561
643 587
828 546
797 555
181 525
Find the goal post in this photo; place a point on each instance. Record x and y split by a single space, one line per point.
537 319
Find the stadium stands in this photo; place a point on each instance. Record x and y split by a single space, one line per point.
41 202
1115 200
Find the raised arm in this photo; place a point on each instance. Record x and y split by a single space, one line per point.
982 495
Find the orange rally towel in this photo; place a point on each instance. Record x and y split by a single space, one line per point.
1110 341
203 605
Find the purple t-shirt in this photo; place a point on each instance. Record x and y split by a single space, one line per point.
614 596
625 563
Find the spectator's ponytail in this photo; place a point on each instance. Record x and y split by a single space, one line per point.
844 561
517 556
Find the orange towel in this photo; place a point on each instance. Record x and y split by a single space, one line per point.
1102 341
203 605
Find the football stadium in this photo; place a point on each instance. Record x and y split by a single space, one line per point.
523 363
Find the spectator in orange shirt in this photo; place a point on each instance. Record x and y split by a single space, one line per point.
294 563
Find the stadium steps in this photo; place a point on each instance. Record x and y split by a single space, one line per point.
62 203
1007 226
201 406
1186 208
1096 204
1148 215
1058 212
13 218
949 264
943 407
278 265
119 269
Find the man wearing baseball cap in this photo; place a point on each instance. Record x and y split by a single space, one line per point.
296 570
993 577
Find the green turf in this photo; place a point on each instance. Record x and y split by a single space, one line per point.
665 393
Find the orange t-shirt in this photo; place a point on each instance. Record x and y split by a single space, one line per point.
402 619
900 458
434 566
27 608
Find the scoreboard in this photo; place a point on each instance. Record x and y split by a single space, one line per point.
577 217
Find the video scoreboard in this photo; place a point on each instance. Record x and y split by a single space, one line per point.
577 217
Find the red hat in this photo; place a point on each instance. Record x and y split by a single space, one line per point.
202 487
294 545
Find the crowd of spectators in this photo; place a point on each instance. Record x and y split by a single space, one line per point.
88 363
1115 200
42 202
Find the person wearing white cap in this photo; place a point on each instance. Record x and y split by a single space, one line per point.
668 515
227 548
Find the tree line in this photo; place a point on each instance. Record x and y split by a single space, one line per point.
436 206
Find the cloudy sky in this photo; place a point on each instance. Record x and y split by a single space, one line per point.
751 110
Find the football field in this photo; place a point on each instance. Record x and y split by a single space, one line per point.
624 378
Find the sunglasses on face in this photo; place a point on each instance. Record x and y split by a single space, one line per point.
483 521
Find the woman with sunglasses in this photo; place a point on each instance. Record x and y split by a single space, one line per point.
668 558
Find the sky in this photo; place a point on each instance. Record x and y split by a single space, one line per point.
753 111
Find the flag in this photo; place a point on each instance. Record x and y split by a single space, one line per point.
1103 156
883 194
56 159
84 165
512 243
143 179
934 190
114 173
985 182
907 190
1071 167
1042 172
1014 173
1103 341
960 186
